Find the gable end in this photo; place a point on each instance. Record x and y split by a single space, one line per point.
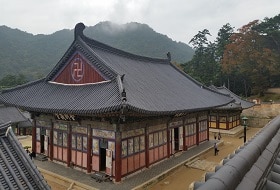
78 71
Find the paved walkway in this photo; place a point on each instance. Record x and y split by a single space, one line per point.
140 179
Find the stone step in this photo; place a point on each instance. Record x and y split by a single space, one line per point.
41 157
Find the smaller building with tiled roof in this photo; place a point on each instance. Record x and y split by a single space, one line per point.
10 114
21 124
17 171
228 116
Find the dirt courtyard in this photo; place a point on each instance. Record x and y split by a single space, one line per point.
185 175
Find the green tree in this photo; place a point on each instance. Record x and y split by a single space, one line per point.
12 80
203 66
199 41
270 29
222 40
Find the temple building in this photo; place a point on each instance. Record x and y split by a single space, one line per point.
105 110
228 117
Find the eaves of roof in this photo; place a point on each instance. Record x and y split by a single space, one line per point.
230 106
42 96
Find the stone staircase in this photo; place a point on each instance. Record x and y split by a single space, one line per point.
41 157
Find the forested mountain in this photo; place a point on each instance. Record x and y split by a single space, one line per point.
35 55
30 55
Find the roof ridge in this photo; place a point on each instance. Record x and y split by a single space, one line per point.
232 93
197 82
106 69
122 95
58 65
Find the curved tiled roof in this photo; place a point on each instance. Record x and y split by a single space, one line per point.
41 96
11 114
239 102
253 166
152 86
17 171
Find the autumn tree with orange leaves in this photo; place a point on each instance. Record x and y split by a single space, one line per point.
248 58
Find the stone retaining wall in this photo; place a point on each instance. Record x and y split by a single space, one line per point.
261 114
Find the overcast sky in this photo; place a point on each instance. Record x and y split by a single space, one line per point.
178 19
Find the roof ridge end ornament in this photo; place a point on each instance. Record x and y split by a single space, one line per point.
123 105
168 56
123 95
122 77
79 28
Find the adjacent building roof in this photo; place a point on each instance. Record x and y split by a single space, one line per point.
17 171
138 84
256 165
11 114
238 103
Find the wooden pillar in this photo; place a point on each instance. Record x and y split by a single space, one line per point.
184 135
69 144
208 114
34 136
17 128
118 155
227 121
147 155
217 121
51 142
168 139
24 131
197 129
89 149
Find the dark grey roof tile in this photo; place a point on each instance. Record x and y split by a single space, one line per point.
264 161
247 184
213 184
276 168
270 185
241 164
275 177
11 114
273 145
